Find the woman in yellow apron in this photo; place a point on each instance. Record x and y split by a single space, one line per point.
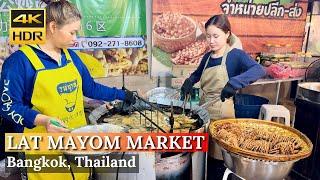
222 71
47 81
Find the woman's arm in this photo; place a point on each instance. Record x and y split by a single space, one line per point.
251 71
93 89
12 89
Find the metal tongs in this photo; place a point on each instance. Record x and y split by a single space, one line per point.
186 99
212 101
171 119
204 106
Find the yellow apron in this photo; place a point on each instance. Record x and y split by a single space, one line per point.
57 93
212 82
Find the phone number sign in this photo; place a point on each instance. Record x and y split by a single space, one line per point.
109 43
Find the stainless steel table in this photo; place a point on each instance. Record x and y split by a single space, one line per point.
278 82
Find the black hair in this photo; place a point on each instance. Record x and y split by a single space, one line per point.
61 11
220 21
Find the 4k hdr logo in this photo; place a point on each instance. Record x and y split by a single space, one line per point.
27 26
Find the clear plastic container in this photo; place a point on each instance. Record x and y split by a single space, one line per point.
268 48
277 49
288 49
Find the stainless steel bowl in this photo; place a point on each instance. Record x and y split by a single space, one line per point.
251 169
162 92
98 128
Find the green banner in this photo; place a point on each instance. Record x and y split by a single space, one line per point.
112 18
100 17
111 40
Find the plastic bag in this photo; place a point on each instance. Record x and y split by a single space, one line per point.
279 71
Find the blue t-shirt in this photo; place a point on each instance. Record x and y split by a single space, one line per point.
16 86
242 70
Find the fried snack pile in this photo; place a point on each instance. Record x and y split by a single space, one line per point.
262 138
137 123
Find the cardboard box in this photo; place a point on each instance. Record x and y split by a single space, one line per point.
177 82
183 71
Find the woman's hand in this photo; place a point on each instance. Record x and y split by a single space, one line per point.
227 92
129 99
128 102
52 125
186 88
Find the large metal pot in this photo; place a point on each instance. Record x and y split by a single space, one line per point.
163 97
198 160
251 169
146 169
173 166
310 91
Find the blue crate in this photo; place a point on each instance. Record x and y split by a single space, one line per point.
248 106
